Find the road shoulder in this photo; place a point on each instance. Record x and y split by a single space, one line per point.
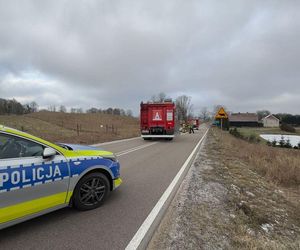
223 204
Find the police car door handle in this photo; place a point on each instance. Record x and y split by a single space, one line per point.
77 163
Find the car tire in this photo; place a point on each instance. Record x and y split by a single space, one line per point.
91 191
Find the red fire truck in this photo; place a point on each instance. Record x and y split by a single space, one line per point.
158 120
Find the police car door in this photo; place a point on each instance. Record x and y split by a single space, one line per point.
29 184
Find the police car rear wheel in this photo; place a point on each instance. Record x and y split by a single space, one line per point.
91 191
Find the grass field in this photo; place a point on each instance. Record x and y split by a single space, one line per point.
74 128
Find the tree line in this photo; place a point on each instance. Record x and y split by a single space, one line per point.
8 107
13 107
111 111
283 117
289 119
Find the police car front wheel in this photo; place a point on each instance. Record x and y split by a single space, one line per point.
91 191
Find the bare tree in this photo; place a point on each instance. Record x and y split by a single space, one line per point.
33 106
122 112
262 113
204 114
62 109
79 110
129 113
159 97
116 111
52 108
183 107
92 110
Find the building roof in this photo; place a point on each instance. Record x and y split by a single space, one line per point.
270 117
243 117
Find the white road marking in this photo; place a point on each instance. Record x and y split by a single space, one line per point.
134 149
140 240
113 142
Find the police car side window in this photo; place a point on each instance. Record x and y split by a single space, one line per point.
16 147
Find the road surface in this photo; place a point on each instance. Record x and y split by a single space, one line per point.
147 168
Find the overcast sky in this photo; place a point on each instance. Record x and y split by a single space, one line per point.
95 53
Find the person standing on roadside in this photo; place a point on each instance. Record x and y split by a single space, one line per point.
191 128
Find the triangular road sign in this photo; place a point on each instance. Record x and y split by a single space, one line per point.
157 116
221 114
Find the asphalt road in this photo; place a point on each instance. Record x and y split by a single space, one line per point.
147 168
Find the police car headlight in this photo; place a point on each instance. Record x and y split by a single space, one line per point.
111 157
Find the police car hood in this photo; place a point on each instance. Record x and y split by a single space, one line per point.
76 147
83 150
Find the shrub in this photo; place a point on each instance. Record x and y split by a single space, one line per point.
288 144
274 143
235 132
282 142
287 128
252 138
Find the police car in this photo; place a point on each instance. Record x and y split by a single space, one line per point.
37 177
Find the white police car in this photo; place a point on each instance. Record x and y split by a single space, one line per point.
37 177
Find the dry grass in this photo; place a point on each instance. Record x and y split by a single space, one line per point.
264 187
62 127
279 165
224 204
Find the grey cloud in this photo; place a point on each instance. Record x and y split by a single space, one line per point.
244 54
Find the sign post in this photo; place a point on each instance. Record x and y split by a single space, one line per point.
221 123
222 117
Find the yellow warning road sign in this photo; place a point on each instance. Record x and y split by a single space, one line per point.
221 114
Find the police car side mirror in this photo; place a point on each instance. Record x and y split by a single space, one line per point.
48 153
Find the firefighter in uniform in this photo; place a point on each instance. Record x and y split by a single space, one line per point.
191 128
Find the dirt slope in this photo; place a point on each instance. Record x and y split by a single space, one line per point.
75 128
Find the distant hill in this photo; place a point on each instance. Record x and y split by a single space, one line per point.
74 128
